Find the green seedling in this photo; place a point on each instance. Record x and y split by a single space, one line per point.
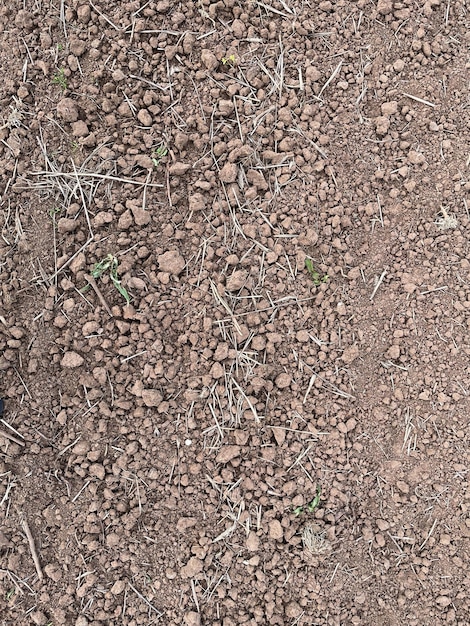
110 263
310 506
9 594
230 60
60 79
54 211
314 274
158 154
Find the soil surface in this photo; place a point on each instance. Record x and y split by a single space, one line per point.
253 438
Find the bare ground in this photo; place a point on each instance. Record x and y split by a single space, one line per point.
252 440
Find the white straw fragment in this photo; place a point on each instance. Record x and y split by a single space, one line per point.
429 104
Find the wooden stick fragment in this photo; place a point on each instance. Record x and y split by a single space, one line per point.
92 282
428 536
32 547
429 104
377 284
332 77
3 433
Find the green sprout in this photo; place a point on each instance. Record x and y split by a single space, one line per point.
54 211
158 154
9 594
310 506
110 263
230 60
314 274
60 79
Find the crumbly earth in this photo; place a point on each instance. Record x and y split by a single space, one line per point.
163 452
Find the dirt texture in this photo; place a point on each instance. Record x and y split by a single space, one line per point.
250 440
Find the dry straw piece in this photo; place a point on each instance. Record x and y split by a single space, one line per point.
314 540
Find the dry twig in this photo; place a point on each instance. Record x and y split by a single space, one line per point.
32 547
3 433
92 282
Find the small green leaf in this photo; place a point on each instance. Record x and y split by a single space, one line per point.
158 154
110 263
312 505
122 290
100 268
230 60
315 276
60 79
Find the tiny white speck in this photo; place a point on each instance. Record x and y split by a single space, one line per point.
188 442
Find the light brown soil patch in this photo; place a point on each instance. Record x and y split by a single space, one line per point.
158 449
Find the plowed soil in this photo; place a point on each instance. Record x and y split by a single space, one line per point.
234 312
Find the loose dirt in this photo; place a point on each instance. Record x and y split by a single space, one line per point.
161 460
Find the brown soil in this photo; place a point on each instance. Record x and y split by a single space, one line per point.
157 451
